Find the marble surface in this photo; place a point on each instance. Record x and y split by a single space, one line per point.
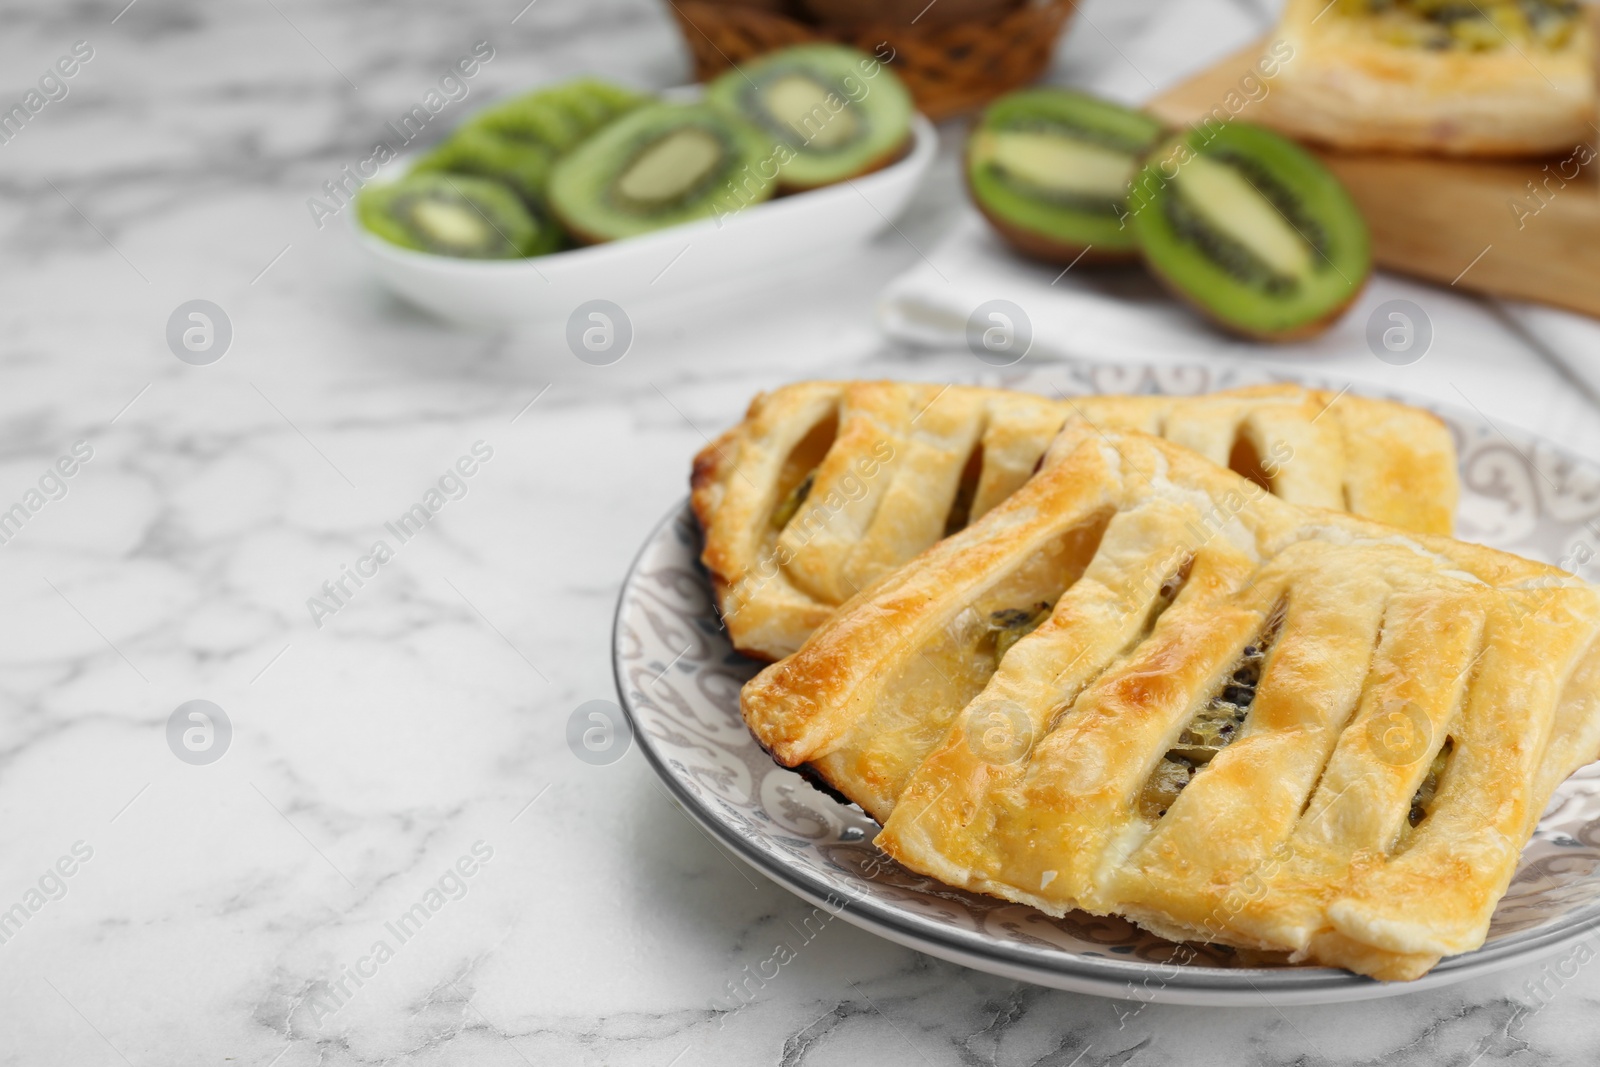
412 747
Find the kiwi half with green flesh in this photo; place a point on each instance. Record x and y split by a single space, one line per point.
1251 229
838 112
659 166
455 215
1049 169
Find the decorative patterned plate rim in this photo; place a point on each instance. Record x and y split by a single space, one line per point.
1060 967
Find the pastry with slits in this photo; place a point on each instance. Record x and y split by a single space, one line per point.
1240 721
1470 78
827 486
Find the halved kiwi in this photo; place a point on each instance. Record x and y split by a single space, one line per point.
659 166
523 165
455 215
836 112
1050 170
1251 229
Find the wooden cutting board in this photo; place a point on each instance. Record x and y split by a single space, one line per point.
1451 221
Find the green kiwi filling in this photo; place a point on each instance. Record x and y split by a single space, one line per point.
799 471
790 504
960 513
1213 728
1010 625
1469 25
1422 801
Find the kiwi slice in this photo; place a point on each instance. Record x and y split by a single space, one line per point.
558 117
535 118
1050 170
838 112
596 102
1251 229
523 165
455 215
659 166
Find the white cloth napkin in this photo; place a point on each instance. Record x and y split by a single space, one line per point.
1085 312
1480 358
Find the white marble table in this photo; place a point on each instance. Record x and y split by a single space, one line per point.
411 748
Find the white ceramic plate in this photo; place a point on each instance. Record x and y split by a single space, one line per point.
725 256
679 681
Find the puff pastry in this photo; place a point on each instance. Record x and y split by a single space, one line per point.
828 486
1228 718
1492 78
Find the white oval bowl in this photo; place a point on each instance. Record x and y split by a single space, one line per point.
723 255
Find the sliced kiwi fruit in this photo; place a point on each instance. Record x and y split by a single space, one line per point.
1251 229
455 215
1050 169
561 116
523 165
596 102
536 118
516 144
834 112
659 166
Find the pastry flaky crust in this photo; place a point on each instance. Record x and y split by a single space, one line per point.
894 465
1346 86
1404 675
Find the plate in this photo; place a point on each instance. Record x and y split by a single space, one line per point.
679 681
725 256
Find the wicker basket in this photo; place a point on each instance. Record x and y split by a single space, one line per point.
950 69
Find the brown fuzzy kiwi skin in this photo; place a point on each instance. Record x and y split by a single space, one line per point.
887 159
1044 249
1294 333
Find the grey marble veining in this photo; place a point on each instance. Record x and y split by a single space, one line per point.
422 725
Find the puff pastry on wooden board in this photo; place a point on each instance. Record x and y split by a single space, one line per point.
1454 221
1497 79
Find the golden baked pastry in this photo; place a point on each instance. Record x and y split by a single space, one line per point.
1143 686
827 486
1489 78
